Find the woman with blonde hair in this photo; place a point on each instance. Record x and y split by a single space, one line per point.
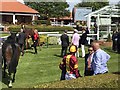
35 40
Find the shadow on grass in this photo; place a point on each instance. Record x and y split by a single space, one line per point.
30 52
57 55
116 73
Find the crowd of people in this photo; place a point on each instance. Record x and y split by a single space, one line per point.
21 38
95 60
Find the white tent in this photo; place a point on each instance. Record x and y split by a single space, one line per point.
103 17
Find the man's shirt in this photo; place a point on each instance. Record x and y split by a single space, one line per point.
75 39
99 63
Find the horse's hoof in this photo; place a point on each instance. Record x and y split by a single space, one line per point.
10 84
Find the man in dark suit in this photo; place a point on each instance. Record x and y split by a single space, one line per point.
21 40
114 39
118 42
88 59
83 41
64 43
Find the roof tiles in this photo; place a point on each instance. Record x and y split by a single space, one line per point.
16 7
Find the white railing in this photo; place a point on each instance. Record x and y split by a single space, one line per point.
48 32
90 36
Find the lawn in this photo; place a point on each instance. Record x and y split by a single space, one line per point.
39 70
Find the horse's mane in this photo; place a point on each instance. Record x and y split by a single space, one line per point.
11 39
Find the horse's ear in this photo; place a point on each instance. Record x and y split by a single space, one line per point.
11 32
15 33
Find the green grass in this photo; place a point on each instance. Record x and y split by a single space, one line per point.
41 70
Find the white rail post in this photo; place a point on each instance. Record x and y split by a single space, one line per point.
98 28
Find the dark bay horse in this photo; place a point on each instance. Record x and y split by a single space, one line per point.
11 55
30 34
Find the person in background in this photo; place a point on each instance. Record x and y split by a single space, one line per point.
35 40
88 59
95 30
21 40
100 59
118 42
114 40
69 65
75 40
64 43
83 41
87 30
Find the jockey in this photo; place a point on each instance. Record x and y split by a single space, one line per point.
69 65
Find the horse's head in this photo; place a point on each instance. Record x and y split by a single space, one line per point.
28 32
13 34
12 38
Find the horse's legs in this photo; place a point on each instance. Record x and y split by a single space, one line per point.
13 80
10 81
4 73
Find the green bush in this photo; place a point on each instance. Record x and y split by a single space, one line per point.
48 22
43 38
37 22
53 40
15 29
98 81
41 28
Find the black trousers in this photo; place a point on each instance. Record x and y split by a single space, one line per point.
118 47
63 74
88 73
35 46
114 46
63 51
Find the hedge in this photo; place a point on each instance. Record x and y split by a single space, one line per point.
39 22
40 28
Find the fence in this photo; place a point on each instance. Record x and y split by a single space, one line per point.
90 36
70 33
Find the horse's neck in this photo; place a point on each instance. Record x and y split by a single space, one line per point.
11 40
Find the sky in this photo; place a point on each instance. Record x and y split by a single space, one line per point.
74 2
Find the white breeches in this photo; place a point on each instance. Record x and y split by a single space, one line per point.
83 50
69 76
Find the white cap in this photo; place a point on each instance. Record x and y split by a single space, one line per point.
75 30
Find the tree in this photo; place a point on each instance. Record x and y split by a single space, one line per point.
95 4
50 9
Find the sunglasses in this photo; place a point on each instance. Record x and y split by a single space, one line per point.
90 50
